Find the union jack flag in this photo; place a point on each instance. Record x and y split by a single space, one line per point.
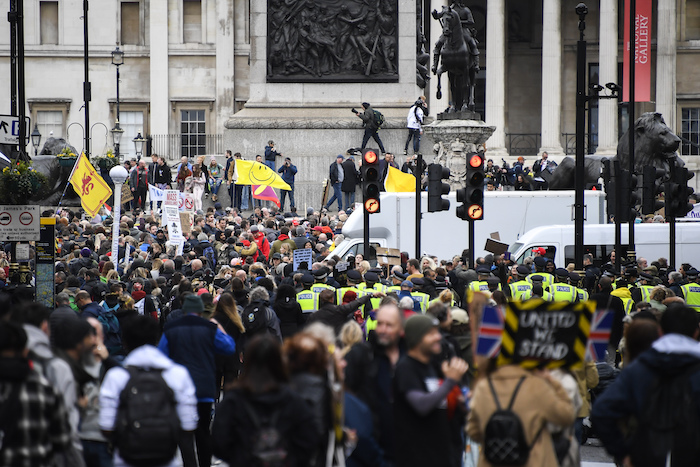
490 332
598 339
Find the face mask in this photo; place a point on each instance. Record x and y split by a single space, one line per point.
227 276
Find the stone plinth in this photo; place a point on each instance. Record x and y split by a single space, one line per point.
453 139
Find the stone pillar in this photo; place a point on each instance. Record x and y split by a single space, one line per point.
224 61
666 61
160 105
496 77
436 105
551 78
607 108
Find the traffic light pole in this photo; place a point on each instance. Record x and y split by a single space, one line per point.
672 242
471 245
419 215
580 153
365 253
631 254
618 211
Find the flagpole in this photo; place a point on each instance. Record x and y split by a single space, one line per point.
60 201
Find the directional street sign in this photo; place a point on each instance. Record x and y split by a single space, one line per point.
9 129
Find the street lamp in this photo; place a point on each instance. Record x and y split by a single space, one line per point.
117 60
117 133
36 139
138 145
119 175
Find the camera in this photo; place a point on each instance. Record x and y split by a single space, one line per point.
354 111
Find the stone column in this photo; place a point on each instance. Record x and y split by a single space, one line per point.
607 108
436 105
551 78
496 77
666 61
160 105
224 61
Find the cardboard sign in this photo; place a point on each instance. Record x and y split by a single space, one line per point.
495 247
543 334
186 222
303 255
127 195
388 256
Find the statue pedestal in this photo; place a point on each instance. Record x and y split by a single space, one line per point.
454 139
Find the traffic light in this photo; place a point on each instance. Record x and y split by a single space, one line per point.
677 192
627 192
371 181
436 188
652 185
473 194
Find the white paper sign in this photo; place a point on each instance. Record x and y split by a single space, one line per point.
19 223
302 255
172 221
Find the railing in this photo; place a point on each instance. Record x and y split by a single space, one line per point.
589 146
523 144
173 147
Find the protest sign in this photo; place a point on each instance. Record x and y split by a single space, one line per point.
302 255
543 334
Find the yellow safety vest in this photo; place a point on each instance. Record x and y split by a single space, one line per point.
479 286
518 289
423 300
547 278
308 301
546 296
319 287
645 292
394 289
691 293
582 294
340 293
563 292
378 287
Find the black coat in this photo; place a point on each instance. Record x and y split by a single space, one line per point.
337 315
352 176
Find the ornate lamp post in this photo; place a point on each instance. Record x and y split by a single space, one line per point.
117 60
138 145
119 175
36 139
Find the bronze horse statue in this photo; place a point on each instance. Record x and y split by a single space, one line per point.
457 49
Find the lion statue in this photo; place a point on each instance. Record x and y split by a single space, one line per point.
654 145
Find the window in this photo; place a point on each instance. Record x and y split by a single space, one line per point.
692 20
50 123
48 18
690 131
192 21
551 252
131 23
193 133
131 123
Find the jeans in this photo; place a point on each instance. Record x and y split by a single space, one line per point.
96 454
270 164
415 134
215 185
337 194
202 435
283 196
349 198
372 133
245 197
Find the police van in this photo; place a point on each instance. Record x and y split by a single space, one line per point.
651 242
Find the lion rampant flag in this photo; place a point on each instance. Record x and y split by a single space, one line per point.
89 185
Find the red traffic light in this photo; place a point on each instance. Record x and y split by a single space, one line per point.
476 161
370 157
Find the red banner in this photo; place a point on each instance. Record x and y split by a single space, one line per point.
642 70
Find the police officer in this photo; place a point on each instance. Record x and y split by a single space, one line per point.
353 278
307 299
575 280
642 293
481 285
561 290
521 286
540 263
397 279
416 293
538 290
691 290
406 289
320 276
372 285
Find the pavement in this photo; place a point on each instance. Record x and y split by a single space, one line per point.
593 454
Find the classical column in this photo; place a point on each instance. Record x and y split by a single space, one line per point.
158 38
496 77
666 61
607 108
551 78
224 61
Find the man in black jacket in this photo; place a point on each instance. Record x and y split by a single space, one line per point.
336 315
350 181
336 176
371 126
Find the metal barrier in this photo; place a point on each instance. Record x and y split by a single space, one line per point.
173 147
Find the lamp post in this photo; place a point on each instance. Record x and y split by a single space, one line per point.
119 175
36 139
117 60
138 145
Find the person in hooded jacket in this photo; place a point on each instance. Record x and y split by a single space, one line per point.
288 311
226 314
262 393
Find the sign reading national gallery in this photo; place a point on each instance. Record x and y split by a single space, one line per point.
332 41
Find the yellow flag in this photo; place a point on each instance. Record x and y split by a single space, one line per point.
91 188
255 173
397 181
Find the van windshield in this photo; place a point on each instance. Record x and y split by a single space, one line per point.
514 247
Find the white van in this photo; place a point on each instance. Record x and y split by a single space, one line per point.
651 242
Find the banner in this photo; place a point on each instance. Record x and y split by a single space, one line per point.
397 181
265 193
255 173
155 193
642 70
490 332
89 185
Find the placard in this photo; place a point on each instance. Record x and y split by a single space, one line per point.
19 223
172 198
303 255
172 221
186 222
22 252
543 334
388 256
342 266
127 195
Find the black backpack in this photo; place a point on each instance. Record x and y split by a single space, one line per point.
255 318
669 423
378 119
148 425
268 445
504 437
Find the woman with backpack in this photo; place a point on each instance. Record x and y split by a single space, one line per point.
260 420
525 402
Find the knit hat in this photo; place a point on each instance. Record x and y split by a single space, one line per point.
85 252
192 304
418 326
